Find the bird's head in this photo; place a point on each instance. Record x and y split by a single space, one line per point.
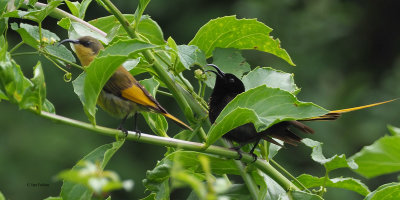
86 48
226 83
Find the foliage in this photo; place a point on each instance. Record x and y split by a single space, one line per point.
137 42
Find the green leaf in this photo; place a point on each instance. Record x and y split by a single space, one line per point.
385 192
60 51
147 28
382 157
73 7
3 25
83 8
101 69
18 89
269 189
13 82
100 155
78 9
2 196
263 107
30 34
300 195
151 30
39 15
156 122
271 78
36 94
230 32
140 9
344 183
65 23
331 163
52 198
395 131
229 61
190 55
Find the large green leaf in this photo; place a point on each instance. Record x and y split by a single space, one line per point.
390 191
100 155
344 183
230 32
30 35
382 157
264 107
88 86
271 78
331 163
18 89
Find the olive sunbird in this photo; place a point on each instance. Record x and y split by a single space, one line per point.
228 86
122 96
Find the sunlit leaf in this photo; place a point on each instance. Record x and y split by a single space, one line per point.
344 183
65 23
331 163
271 78
230 32
385 192
190 55
382 157
263 107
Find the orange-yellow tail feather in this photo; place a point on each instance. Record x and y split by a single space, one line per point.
335 114
177 121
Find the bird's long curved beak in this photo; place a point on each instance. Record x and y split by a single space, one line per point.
218 72
69 40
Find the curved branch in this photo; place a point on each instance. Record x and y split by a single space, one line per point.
171 142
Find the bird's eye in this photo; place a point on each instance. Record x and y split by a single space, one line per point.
231 80
86 43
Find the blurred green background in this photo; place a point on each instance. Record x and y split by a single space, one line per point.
347 54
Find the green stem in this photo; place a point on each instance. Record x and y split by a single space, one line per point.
248 180
321 193
58 66
165 93
25 53
16 46
277 165
171 142
40 35
61 59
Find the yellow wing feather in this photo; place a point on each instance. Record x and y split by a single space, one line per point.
136 94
